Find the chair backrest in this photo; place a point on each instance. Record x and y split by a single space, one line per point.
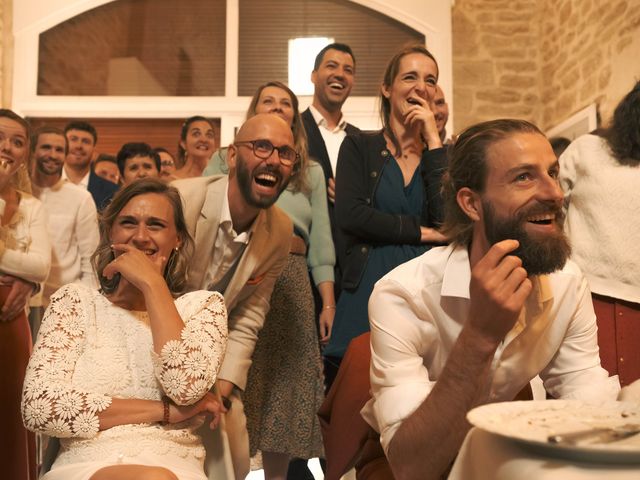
344 431
348 439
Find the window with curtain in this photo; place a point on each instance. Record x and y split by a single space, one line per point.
266 26
137 47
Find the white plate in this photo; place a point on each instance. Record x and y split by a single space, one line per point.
532 422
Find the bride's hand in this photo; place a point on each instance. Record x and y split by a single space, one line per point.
135 266
206 405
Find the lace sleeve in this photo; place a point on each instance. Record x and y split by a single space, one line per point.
50 404
187 368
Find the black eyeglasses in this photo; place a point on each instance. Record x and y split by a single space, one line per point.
264 148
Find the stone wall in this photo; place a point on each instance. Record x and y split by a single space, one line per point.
495 60
542 60
590 53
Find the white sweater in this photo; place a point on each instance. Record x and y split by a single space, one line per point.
602 200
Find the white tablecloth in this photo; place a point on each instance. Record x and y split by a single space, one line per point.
485 456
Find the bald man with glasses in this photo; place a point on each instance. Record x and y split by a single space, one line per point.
242 242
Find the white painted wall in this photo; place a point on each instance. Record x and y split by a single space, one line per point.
31 17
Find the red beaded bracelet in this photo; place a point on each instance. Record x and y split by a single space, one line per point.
165 413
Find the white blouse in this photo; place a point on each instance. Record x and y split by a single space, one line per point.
25 249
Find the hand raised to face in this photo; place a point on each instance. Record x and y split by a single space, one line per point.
419 113
499 287
136 266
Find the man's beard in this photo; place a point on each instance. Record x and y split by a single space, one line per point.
55 172
245 181
540 254
78 163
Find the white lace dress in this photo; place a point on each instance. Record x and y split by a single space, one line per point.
90 351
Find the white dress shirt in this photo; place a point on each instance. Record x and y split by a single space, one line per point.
227 249
332 138
418 310
84 182
73 230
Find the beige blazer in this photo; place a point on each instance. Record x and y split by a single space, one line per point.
248 294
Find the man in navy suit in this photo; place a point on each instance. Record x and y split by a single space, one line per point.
333 75
82 138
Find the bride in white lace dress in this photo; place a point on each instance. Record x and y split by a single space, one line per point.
122 375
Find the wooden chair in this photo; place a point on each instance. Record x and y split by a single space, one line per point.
348 440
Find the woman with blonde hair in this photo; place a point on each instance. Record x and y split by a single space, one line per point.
25 258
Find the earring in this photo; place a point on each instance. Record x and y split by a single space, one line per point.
171 262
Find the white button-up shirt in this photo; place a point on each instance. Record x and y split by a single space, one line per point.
84 182
332 138
73 231
418 310
227 249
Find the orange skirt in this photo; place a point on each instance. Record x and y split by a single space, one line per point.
17 445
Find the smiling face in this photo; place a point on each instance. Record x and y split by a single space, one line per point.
522 200
333 80
200 140
167 164
260 181
49 154
147 222
440 109
81 146
13 144
139 167
417 77
275 100
107 170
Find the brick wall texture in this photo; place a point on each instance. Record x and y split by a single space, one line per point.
542 60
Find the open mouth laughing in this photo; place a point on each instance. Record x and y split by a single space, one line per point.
261 186
336 86
542 219
266 179
544 222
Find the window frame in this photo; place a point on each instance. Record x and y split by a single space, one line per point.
230 109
